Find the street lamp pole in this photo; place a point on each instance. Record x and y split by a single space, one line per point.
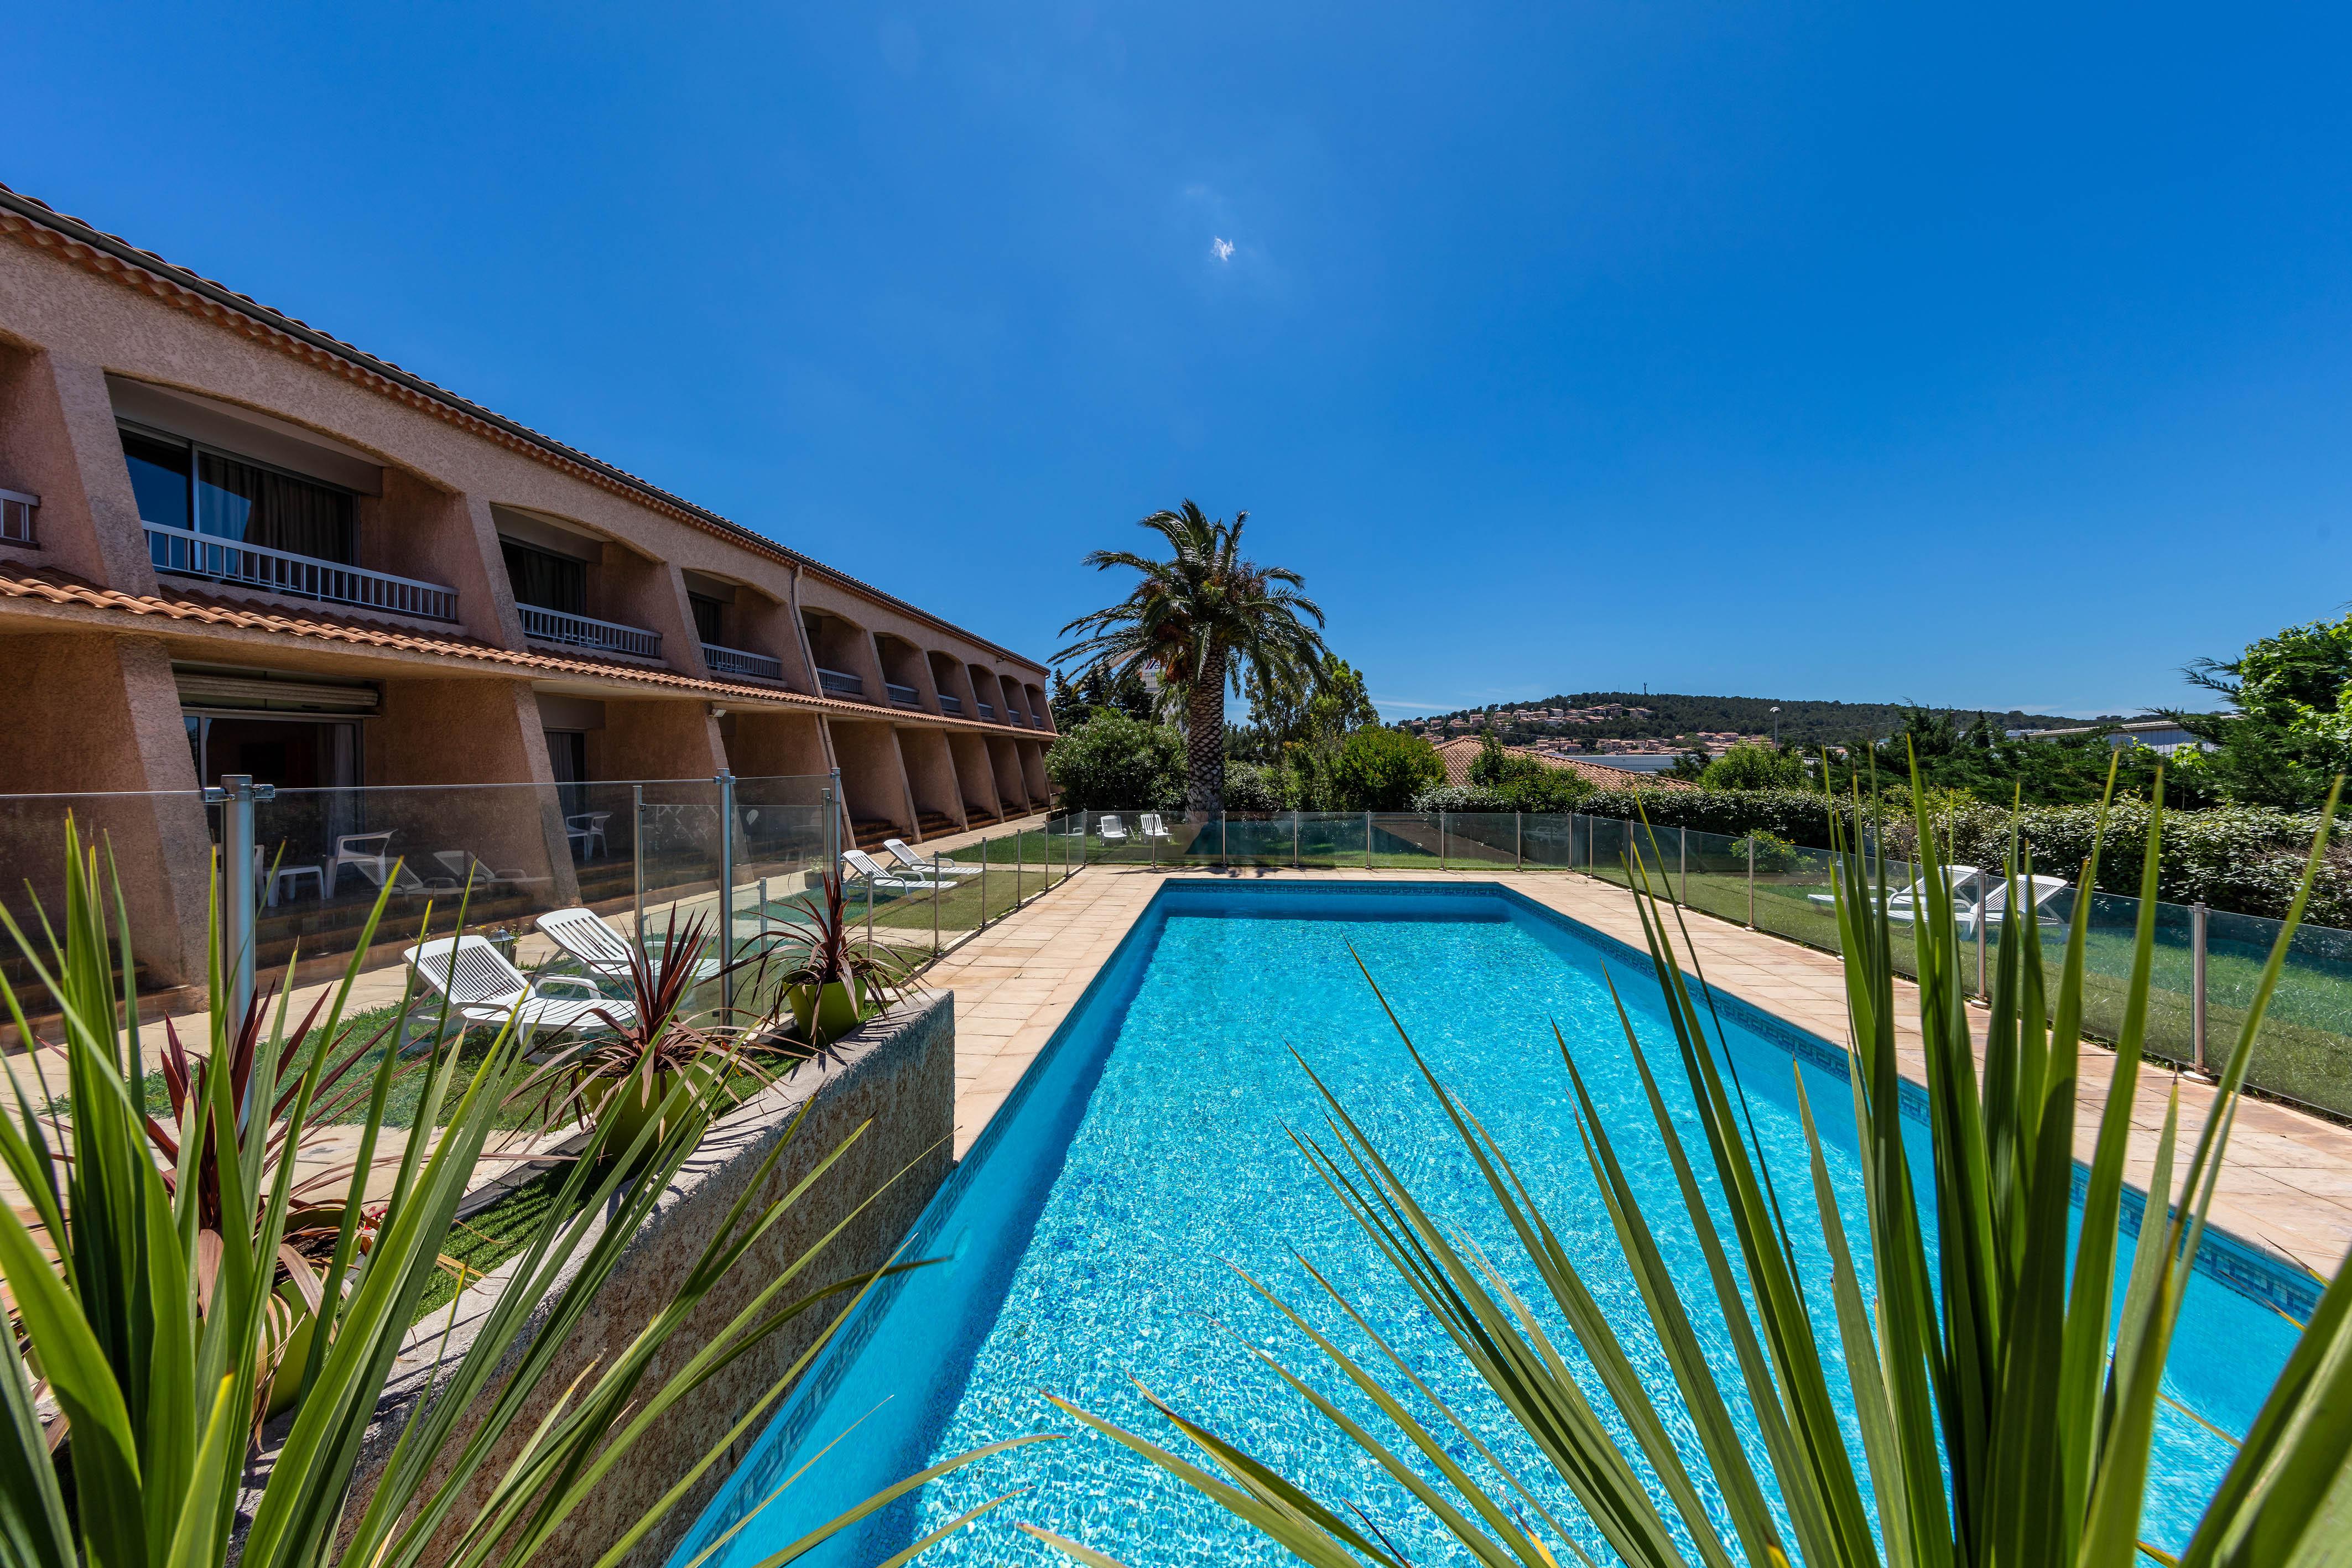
1776 727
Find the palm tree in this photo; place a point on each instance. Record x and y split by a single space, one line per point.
1201 620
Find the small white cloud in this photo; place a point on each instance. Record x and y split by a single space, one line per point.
1223 249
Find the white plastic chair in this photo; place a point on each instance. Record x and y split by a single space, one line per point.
1113 831
483 988
878 876
1153 829
599 948
367 851
586 830
939 865
2039 893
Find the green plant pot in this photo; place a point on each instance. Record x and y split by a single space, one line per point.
826 1019
626 1104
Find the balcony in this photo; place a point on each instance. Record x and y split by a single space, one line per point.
543 625
184 553
837 684
737 662
16 509
1036 721
951 705
988 713
904 696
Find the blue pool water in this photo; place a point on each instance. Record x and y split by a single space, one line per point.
1093 1231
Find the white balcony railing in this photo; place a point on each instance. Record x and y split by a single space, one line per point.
737 662
839 683
905 697
543 625
16 509
184 553
952 704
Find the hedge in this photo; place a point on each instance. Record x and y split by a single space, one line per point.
2245 859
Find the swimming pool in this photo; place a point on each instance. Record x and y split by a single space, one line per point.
1088 1233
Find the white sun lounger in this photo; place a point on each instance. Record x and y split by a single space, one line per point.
877 876
598 947
1153 829
1113 831
938 865
483 988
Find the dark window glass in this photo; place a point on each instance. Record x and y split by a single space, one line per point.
567 758
548 580
710 617
262 507
159 478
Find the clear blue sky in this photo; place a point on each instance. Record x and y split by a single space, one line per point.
1965 357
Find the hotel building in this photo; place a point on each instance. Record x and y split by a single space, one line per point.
231 544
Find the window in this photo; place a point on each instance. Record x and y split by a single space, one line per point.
182 484
710 617
544 578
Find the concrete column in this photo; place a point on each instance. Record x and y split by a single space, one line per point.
873 776
975 775
931 773
419 530
94 714
1032 770
59 441
638 590
770 627
1012 787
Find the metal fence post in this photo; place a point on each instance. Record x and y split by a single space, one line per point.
2197 982
1518 841
1224 845
1018 836
982 925
834 806
726 782
1441 840
869 917
1682 866
1367 840
1294 837
638 855
939 886
1982 899
1751 880
236 796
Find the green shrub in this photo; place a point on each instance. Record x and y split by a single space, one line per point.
1383 769
1259 787
1746 767
1114 763
1462 798
1771 852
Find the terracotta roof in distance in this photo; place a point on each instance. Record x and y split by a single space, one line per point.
1459 753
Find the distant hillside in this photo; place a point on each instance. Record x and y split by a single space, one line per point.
1665 715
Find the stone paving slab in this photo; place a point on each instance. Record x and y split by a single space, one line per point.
2287 1186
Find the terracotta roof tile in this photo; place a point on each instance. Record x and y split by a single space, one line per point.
59 588
1459 753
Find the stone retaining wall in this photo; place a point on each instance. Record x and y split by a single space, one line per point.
897 1073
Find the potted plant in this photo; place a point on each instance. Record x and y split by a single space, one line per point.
830 987
623 1077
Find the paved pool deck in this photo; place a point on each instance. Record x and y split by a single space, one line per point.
2286 1185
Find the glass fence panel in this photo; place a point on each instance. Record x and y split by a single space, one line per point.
1332 840
1254 838
1713 874
160 844
1607 843
2304 1049
1794 895
1405 841
1481 841
1552 841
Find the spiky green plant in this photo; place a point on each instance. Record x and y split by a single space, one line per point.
2000 1422
129 1448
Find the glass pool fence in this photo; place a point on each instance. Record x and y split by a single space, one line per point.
647 858
2207 962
